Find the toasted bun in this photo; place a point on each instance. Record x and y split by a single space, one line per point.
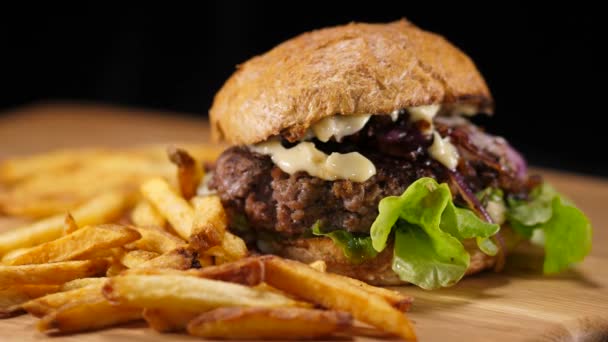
376 271
351 69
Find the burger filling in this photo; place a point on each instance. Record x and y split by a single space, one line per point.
363 180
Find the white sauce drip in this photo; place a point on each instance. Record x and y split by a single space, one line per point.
339 126
443 151
306 157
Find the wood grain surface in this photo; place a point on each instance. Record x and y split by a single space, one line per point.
519 304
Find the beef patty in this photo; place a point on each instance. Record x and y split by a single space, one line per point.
250 184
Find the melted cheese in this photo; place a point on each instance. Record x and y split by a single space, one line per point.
306 157
443 151
339 126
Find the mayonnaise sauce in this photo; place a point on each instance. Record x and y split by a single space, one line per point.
306 157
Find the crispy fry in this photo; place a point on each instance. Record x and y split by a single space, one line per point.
78 245
210 222
189 171
70 224
56 273
181 258
166 320
268 323
333 292
13 297
136 258
249 271
115 268
154 239
394 298
144 215
186 293
173 207
101 209
13 254
92 314
82 282
42 306
319 265
232 248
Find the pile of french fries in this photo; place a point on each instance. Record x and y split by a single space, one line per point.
124 236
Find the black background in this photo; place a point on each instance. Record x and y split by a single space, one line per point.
541 63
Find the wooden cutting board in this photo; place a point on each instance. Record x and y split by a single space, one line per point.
516 305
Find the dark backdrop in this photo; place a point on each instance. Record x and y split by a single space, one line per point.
541 63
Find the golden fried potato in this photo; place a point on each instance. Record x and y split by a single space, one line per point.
145 215
136 258
82 282
80 244
42 306
268 323
168 320
181 258
189 171
101 209
91 314
154 239
56 273
187 293
12 298
210 222
335 293
173 207
319 265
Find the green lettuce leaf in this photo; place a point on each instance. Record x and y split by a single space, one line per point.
535 211
428 249
356 248
428 258
566 231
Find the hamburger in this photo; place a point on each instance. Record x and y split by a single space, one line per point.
354 145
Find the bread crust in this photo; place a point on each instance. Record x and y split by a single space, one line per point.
376 271
351 69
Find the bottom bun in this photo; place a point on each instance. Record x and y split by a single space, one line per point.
376 271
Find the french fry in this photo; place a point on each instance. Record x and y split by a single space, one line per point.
78 245
136 258
42 306
13 297
165 320
319 265
249 271
94 313
189 171
232 248
333 292
56 273
181 258
13 254
210 222
82 282
115 268
101 209
70 224
187 293
268 323
154 239
173 207
144 215
394 298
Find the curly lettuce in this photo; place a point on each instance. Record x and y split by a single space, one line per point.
429 230
567 231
